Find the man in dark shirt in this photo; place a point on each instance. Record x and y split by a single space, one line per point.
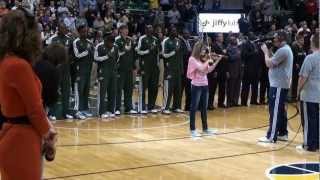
234 68
298 57
219 76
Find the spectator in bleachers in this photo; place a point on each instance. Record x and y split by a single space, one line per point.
174 15
189 17
166 4
62 9
311 9
108 21
257 22
98 23
154 4
300 11
267 10
3 8
244 25
159 17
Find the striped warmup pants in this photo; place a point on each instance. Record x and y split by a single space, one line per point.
310 117
277 112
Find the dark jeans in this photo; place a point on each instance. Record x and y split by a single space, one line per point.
199 94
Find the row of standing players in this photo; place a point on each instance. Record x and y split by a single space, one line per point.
115 59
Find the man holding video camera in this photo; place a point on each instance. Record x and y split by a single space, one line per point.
280 75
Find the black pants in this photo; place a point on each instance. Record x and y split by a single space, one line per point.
125 85
186 87
107 88
264 89
248 84
150 82
213 84
233 91
172 88
294 86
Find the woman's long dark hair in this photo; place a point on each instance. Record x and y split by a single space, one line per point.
19 35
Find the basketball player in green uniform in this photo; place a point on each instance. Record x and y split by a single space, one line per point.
106 56
148 49
82 60
173 64
65 82
126 68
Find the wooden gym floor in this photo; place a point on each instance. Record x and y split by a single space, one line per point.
159 147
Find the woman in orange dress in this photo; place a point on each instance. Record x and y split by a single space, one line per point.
26 126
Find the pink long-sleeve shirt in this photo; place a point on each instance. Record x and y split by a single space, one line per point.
197 72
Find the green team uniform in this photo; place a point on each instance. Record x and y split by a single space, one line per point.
65 81
125 77
82 52
148 49
173 70
106 60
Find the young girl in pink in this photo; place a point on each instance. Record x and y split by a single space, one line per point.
200 64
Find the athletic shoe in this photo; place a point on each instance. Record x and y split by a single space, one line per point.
112 115
301 147
105 115
144 112
52 118
210 131
178 111
117 112
195 134
167 112
132 112
68 116
154 111
80 116
265 140
87 114
306 148
283 138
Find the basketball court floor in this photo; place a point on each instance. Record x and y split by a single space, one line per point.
159 147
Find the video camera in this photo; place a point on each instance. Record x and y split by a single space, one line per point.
264 40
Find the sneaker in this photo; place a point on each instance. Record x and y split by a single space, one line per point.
52 118
144 112
178 111
80 116
117 112
105 115
210 131
283 138
68 116
87 114
154 111
300 147
194 134
265 140
112 115
166 112
132 112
